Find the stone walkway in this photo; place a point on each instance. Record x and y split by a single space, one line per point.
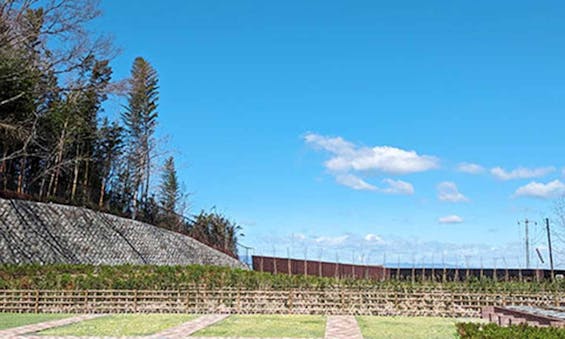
337 327
18 331
342 327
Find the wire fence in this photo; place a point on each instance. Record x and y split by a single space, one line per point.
408 258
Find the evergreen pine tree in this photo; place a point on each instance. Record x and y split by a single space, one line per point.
140 120
169 189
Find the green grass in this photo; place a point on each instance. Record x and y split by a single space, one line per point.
408 327
265 326
9 320
121 325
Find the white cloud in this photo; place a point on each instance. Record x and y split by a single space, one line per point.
397 187
298 236
385 159
392 186
521 172
450 219
354 182
332 241
470 168
447 191
335 145
540 190
373 238
350 162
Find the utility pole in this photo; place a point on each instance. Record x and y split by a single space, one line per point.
549 245
526 222
527 245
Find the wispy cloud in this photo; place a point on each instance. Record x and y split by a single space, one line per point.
540 190
397 187
521 172
354 182
391 186
447 191
332 241
470 168
450 219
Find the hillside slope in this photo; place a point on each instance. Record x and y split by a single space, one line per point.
32 232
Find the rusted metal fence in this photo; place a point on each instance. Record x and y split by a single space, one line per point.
280 265
318 268
368 301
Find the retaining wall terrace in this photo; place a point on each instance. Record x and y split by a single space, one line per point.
341 301
32 232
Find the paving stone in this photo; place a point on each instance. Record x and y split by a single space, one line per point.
192 326
342 327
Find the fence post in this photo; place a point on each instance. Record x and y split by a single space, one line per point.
188 299
337 270
135 301
238 301
261 264
342 299
86 301
36 301
290 300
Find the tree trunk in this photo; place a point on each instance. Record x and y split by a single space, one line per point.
134 205
3 168
85 187
147 174
61 146
102 191
75 176
20 188
42 187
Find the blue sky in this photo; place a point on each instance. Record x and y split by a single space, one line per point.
339 129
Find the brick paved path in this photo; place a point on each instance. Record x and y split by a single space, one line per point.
192 326
342 327
17 331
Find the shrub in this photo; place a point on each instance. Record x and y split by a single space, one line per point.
487 331
82 277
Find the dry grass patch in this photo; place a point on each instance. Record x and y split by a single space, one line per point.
121 325
10 320
267 326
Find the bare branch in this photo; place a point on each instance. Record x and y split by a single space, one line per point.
14 98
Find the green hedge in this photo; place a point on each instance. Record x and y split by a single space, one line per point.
179 277
487 331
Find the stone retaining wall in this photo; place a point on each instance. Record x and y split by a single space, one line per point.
32 232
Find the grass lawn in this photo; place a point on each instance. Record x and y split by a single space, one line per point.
408 327
9 320
264 326
121 325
